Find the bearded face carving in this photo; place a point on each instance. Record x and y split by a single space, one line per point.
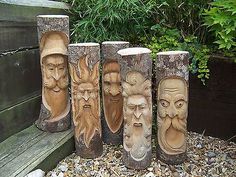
137 115
172 115
55 83
113 100
85 100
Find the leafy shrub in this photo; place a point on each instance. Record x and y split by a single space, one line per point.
221 19
100 20
183 15
166 39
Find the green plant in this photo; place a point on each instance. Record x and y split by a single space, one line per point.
183 15
221 19
166 39
109 19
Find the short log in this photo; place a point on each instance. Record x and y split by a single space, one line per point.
172 105
53 35
84 61
112 117
136 74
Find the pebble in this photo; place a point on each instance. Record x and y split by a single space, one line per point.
207 156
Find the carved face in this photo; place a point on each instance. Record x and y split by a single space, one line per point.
85 100
172 114
55 72
55 81
113 100
137 115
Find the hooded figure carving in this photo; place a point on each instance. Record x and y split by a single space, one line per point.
55 96
85 93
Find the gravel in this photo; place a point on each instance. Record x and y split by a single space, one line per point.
207 156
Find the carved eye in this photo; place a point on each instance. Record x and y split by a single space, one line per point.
164 103
51 69
107 83
179 103
61 68
131 107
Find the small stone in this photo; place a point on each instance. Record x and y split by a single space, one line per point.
211 154
60 175
150 169
199 146
36 173
175 174
150 174
63 167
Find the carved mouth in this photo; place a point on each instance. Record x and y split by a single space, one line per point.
114 99
56 89
87 106
138 124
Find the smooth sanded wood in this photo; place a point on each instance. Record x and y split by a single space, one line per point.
45 144
112 126
136 75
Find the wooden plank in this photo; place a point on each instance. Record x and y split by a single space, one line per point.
38 3
18 117
15 35
212 107
36 154
24 13
18 143
20 77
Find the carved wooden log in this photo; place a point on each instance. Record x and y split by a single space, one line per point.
172 105
53 35
112 118
84 71
136 74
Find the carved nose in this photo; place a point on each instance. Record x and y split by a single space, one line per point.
172 112
56 76
114 91
137 113
86 96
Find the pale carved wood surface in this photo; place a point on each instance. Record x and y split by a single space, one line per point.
53 34
112 114
84 71
172 105
136 74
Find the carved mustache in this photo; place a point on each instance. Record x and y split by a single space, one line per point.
176 122
51 83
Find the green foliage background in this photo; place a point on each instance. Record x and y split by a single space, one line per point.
198 26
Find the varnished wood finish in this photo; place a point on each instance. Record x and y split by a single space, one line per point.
84 61
172 105
112 114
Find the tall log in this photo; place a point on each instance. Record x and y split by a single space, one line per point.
84 70
172 105
112 117
136 74
53 35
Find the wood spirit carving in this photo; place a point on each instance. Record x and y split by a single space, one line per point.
84 71
136 72
112 119
172 106
53 33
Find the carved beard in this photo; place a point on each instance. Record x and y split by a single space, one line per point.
55 95
87 121
139 142
172 135
113 111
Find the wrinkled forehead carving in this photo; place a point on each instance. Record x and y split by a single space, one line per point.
172 86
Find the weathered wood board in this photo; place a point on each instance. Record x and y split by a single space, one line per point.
19 116
33 146
20 77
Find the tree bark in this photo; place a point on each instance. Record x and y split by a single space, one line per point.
136 74
53 35
172 77
112 114
84 70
